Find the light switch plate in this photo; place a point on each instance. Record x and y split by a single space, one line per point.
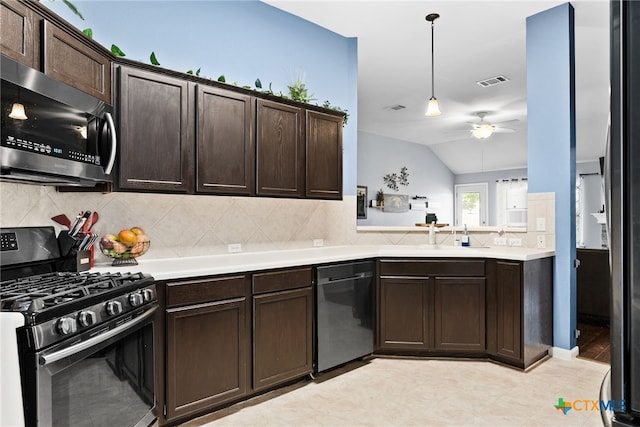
318 242
234 247
500 241
515 242
541 224
541 243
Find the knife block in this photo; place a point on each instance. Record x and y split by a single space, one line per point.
72 259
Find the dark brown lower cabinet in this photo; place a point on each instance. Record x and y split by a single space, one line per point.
519 310
404 315
282 327
459 314
207 345
500 309
508 310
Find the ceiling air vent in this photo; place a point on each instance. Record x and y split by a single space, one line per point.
397 107
492 81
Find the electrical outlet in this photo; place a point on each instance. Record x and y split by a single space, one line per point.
500 241
541 224
318 242
234 247
577 333
515 242
541 243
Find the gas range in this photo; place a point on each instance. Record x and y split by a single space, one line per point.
57 327
59 304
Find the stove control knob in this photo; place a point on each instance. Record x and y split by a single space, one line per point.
113 308
87 318
66 325
147 295
136 299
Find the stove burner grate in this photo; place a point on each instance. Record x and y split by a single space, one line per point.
36 294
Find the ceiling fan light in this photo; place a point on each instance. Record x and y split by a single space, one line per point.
17 112
482 132
433 109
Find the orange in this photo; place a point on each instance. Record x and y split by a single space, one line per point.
127 237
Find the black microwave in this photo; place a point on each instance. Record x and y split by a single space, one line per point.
53 133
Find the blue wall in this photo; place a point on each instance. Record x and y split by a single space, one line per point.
551 142
428 176
243 40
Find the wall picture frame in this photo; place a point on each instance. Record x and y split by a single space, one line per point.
361 202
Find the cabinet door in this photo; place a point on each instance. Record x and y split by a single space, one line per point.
508 295
70 61
154 148
323 156
404 314
207 357
20 33
279 150
459 309
224 142
282 336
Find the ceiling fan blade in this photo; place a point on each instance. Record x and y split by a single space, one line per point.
503 130
506 121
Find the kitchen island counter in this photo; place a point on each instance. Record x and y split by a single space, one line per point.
182 267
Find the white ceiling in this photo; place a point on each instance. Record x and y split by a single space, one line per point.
474 40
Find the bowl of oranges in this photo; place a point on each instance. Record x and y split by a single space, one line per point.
125 246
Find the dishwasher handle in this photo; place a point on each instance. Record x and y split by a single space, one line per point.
357 276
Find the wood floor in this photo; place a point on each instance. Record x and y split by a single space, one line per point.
593 342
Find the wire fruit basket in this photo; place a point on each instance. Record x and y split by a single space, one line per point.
122 253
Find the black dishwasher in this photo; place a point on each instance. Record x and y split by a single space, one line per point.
345 298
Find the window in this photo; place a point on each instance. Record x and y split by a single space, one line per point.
511 202
471 204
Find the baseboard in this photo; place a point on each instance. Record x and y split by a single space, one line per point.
564 354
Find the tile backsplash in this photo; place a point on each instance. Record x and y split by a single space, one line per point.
189 225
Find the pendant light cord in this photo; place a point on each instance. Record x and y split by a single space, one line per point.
432 64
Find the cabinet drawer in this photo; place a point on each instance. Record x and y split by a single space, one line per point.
205 290
439 267
282 280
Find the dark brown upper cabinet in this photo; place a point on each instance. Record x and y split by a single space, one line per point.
224 142
323 156
20 38
155 152
37 38
71 61
279 149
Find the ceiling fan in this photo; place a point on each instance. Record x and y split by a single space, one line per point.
483 129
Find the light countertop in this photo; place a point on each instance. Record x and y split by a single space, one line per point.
183 267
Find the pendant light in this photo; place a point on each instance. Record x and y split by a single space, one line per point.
433 109
17 112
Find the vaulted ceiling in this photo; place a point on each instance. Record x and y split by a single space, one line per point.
474 40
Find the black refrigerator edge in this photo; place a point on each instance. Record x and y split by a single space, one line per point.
622 183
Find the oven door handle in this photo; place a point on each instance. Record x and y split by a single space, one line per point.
47 359
114 143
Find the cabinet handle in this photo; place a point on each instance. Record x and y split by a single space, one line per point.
114 143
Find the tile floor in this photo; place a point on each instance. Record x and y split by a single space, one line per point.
412 392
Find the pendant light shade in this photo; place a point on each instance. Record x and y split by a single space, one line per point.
17 112
433 109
